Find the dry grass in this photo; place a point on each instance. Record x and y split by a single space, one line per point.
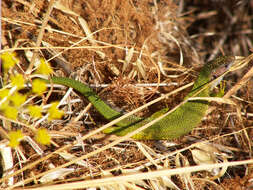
123 45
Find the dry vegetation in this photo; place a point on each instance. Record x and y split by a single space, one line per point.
133 52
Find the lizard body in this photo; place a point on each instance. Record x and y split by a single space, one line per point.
177 123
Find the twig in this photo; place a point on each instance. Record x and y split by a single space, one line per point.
241 83
40 36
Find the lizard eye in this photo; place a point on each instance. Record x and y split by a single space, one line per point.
214 76
227 66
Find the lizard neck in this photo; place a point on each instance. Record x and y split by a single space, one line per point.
203 79
221 64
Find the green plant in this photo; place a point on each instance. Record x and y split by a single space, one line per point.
16 100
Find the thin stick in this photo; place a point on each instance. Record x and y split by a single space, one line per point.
40 36
240 84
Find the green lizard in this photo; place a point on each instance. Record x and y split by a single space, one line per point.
177 123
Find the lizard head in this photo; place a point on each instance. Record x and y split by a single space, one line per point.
219 66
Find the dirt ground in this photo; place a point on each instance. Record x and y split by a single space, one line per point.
132 52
